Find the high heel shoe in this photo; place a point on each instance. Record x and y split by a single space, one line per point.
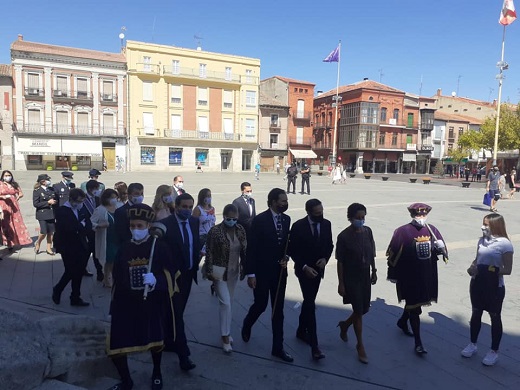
362 355
36 248
50 252
212 288
343 327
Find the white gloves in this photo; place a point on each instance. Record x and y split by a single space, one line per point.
439 244
150 280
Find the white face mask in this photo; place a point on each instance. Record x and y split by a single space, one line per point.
97 193
167 199
137 199
420 221
8 178
113 201
138 235
179 185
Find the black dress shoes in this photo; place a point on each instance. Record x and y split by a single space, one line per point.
79 302
87 273
303 336
317 354
283 355
157 383
246 333
56 296
186 364
419 350
403 325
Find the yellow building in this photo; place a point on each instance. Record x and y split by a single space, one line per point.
191 106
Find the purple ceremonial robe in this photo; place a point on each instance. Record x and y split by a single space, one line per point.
412 264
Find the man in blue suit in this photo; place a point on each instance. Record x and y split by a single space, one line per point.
182 237
266 268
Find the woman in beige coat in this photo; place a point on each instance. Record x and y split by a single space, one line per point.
106 241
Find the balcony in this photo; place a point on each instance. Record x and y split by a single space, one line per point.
195 134
304 116
307 141
394 145
34 93
149 131
108 98
273 146
142 67
82 96
82 130
67 129
275 127
109 130
32 128
60 93
194 73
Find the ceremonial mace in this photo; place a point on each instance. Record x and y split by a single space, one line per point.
157 230
280 277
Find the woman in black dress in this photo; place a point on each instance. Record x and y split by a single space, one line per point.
44 200
356 252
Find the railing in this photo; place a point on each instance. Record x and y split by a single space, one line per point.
273 146
33 128
195 134
66 129
60 93
82 130
275 127
389 144
108 97
81 95
302 115
301 141
147 68
411 146
322 144
195 73
149 131
109 130
34 92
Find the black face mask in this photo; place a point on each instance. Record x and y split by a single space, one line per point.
316 219
282 209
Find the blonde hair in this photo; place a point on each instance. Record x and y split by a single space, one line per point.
497 225
158 202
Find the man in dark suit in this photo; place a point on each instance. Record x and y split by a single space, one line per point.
92 201
182 237
70 241
121 222
246 206
310 247
63 188
266 268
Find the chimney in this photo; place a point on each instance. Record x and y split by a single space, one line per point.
20 37
439 92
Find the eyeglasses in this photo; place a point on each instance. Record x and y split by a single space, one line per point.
231 219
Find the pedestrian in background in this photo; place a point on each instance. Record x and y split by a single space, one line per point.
292 173
63 188
122 193
493 260
493 187
93 174
44 200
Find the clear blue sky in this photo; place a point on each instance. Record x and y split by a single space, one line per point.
438 40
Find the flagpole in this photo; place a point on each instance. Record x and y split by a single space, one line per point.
335 135
502 66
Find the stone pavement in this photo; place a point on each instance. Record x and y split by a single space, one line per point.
26 281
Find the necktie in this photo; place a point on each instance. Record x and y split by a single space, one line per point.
279 228
315 232
90 206
186 244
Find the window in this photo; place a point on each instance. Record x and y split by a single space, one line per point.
175 156
201 155
396 114
203 96
83 160
61 86
148 125
479 108
249 73
450 148
108 91
295 89
175 122
34 121
301 90
381 138
229 75
306 90
176 94
228 128
108 123
202 70
82 125
147 91
176 67
147 64
410 120
451 132
34 160
394 139
82 90
228 99
203 126
273 141
461 131
147 155
274 120
250 128
369 113
251 98
299 135
383 114
300 109
409 139
62 122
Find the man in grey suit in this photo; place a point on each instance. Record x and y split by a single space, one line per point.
246 206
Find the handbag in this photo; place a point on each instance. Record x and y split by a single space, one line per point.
487 199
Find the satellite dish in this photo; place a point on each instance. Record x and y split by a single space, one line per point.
121 36
454 94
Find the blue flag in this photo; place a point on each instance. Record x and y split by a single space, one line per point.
333 56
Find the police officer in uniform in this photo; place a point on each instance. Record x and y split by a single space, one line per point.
306 174
63 188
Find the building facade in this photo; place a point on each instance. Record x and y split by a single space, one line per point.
190 107
69 107
456 105
6 117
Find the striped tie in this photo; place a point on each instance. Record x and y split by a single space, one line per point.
90 206
279 231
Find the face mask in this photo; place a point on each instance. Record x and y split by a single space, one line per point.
419 221
207 200
179 185
113 201
282 209
138 234
68 179
485 231
230 223
316 219
184 214
47 183
358 223
97 193
137 199
8 178
167 199
247 195
76 206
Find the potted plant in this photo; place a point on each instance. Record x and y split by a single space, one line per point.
426 180
367 175
412 179
74 167
352 175
385 178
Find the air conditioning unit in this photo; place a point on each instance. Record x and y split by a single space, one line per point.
107 97
58 93
392 121
33 92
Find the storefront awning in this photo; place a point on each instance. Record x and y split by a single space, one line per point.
59 147
303 153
